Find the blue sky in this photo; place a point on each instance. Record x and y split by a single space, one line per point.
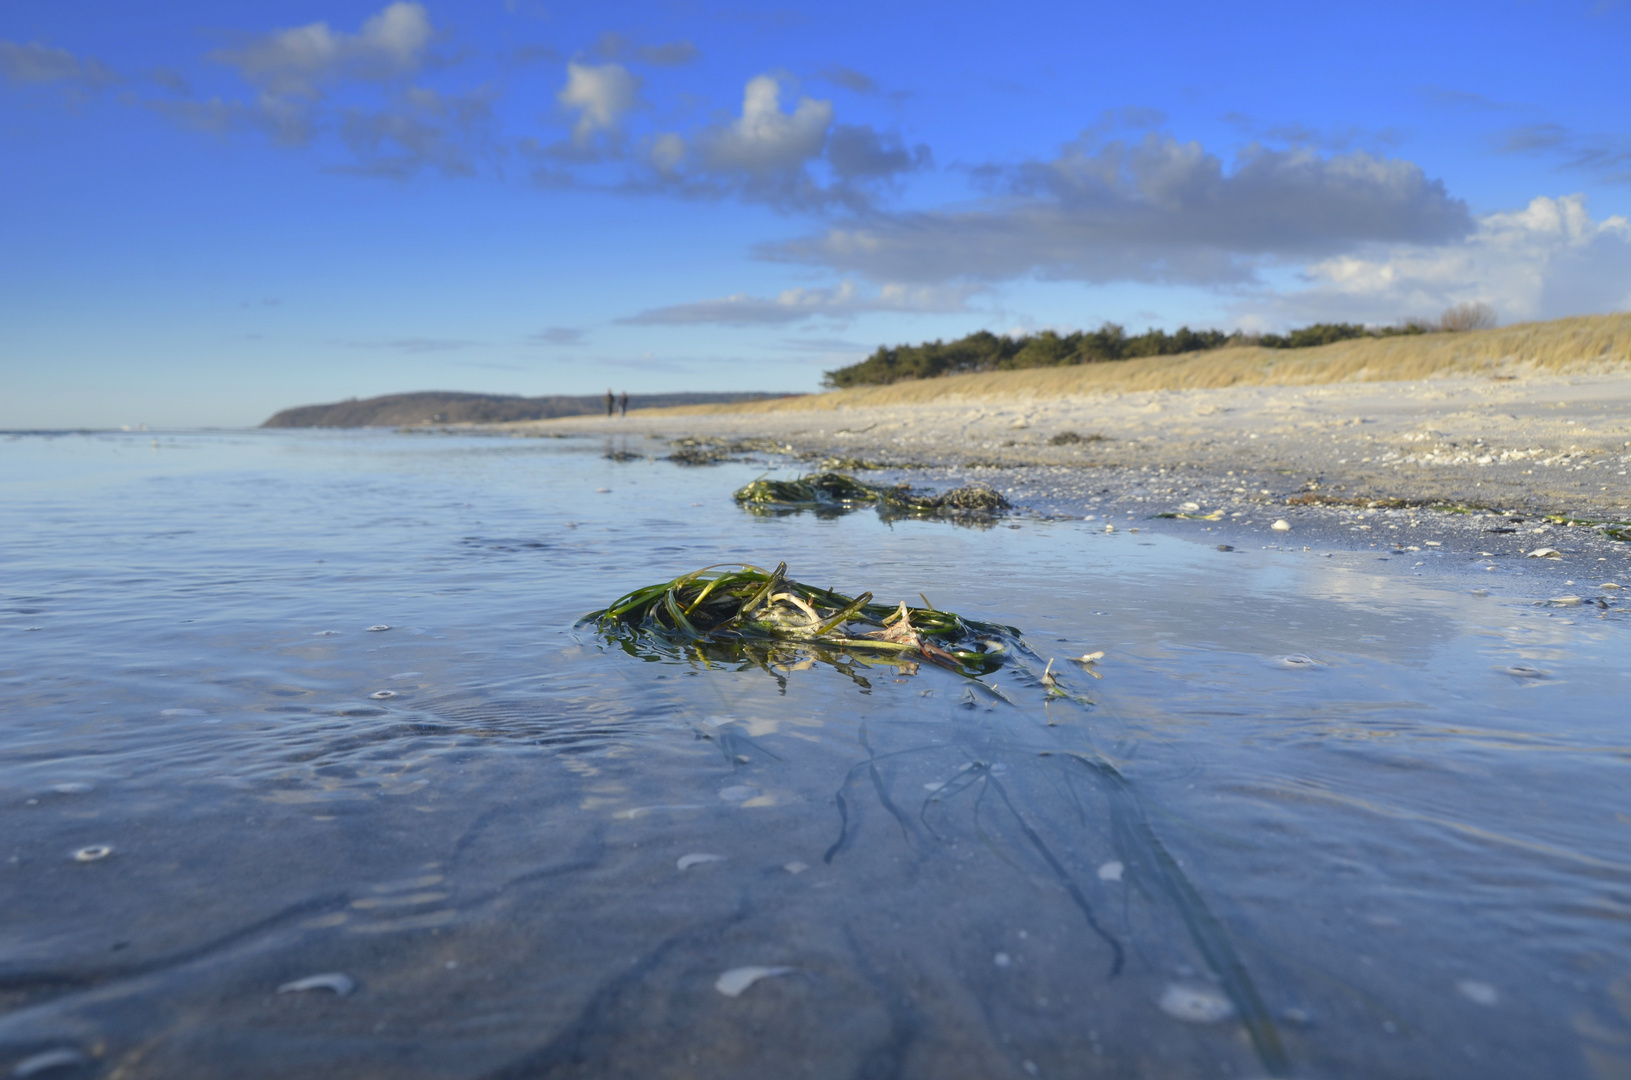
210 212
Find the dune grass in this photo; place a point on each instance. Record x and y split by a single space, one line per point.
1562 346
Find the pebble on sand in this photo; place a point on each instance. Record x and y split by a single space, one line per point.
1195 1004
1281 526
1545 553
734 983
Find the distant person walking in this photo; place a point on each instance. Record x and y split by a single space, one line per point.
611 402
623 404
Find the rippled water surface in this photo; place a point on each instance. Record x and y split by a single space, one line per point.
1322 819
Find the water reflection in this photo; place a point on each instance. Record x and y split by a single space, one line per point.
1312 825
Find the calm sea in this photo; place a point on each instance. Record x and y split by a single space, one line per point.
306 770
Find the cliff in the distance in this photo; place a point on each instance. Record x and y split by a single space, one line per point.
448 407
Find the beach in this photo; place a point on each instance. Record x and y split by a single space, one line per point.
1314 457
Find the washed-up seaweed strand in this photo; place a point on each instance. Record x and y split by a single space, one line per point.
741 607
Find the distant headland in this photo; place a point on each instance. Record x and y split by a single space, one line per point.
451 407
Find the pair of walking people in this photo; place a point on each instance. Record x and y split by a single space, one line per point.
615 405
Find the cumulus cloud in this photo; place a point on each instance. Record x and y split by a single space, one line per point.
299 61
600 96
1546 260
314 80
793 160
840 302
764 139
36 63
1152 210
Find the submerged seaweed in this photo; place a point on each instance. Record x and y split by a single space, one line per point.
837 493
735 612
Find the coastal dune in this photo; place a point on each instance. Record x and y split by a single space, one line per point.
1590 344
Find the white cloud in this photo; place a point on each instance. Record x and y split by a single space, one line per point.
798 160
37 63
840 302
1546 260
300 60
765 139
601 95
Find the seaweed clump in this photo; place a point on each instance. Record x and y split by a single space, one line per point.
833 492
739 612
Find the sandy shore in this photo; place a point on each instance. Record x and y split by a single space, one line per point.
1447 474
1546 444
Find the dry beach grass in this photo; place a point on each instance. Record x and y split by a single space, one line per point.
1590 343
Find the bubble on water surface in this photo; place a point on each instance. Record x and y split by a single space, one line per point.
377 627
1195 1004
73 788
1480 993
336 982
795 867
181 712
1298 662
1111 871
325 633
734 983
381 695
738 793
93 853
685 862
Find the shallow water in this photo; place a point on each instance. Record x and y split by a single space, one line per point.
1322 818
